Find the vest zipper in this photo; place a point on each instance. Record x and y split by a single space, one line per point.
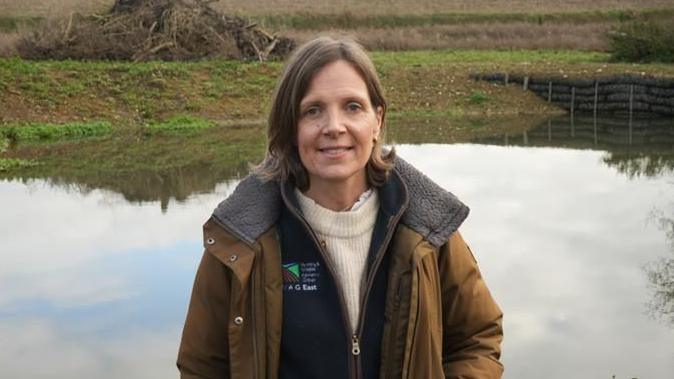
353 363
355 347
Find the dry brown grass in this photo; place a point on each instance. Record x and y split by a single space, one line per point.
388 7
559 35
57 8
589 37
7 43
53 8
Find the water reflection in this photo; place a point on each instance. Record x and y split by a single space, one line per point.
635 147
94 286
95 277
562 239
164 168
167 168
660 273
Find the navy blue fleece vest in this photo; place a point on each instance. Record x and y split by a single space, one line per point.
316 341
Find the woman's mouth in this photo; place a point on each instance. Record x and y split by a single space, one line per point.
335 151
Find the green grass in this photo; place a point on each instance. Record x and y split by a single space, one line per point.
477 97
21 132
8 164
180 124
421 58
148 91
155 97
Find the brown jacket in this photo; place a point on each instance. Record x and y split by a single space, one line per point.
441 319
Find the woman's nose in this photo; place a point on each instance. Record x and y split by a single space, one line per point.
334 124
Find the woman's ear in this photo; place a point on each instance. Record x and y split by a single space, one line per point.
379 114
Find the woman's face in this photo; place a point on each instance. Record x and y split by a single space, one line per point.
336 127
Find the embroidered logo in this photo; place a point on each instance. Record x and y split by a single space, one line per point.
300 276
291 273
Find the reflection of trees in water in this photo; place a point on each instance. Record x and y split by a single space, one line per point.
640 164
660 275
634 147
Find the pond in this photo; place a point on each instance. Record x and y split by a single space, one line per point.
572 222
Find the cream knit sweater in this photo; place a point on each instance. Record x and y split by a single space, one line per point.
346 238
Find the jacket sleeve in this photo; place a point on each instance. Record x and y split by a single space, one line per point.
204 351
472 322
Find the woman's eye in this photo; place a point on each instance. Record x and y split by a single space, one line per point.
313 111
353 107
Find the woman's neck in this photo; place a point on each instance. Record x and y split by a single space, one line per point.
335 197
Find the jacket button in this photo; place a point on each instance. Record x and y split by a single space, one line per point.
323 244
210 241
233 257
238 320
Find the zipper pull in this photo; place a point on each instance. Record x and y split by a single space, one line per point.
355 347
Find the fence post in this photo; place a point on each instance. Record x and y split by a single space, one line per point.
594 125
631 111
573 99
596 97
549 91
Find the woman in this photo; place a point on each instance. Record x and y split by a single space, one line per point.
335 259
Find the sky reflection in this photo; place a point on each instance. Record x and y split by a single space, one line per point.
562 240
94 286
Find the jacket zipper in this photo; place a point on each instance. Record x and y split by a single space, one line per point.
355 345
256 357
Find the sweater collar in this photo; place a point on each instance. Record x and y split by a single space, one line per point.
344 224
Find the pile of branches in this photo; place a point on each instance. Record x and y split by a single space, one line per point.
141 30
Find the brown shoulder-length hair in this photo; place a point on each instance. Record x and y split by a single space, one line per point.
282 161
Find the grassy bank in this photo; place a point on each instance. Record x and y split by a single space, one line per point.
131 95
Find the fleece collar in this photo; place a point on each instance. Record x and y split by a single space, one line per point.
431 211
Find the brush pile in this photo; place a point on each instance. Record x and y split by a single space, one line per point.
142 30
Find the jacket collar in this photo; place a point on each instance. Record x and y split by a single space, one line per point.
431 211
